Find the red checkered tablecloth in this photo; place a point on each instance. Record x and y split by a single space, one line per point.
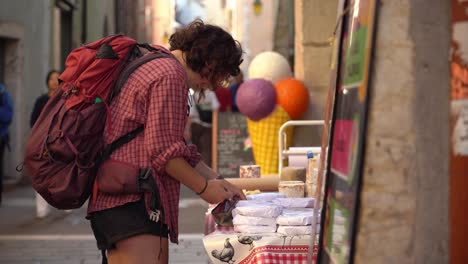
277 254
268 248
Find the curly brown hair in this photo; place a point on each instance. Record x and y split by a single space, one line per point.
209 51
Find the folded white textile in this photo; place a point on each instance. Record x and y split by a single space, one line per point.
266 196
260 210
295 230
296 216
252 203
306 202
249 229
253 220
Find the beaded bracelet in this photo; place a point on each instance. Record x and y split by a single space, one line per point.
204 188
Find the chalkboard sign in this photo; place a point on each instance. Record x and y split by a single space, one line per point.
229 149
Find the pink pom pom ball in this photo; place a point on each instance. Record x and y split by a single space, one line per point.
256 98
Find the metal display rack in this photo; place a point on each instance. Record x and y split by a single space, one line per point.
282 140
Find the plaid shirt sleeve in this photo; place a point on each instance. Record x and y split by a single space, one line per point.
166 119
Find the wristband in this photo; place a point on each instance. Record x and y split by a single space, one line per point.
204 188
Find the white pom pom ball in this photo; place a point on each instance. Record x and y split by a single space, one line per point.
270 66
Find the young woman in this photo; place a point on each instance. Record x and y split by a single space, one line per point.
155 95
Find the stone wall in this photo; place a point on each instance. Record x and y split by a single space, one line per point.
315 23
25 25
404 199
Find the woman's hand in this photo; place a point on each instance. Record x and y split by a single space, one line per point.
236 191
201 181
220 190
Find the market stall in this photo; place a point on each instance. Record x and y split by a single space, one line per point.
281 234
278 221
275 223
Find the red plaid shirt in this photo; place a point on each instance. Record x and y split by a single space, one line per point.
156 96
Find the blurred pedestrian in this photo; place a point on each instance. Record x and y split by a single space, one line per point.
41 101
200 120
134 227
42 207
236 81
6 115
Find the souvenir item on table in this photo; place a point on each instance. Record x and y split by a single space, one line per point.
295 230
253 220
250 192
293 174
295 217
252 203
266 196
297 158
292 189
312 174
311 185
222 213
311 164
249 171
250 229
260 210
265 184
295 202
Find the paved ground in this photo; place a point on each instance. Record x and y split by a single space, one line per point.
81 249
66 238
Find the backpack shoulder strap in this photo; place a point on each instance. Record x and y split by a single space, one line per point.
109 149
132 66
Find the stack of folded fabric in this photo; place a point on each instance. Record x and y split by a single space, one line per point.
265 196
257 214
296 217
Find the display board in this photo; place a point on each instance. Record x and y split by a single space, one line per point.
459 132
348 127
326 139
230 143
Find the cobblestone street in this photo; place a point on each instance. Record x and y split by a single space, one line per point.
81 249
66 238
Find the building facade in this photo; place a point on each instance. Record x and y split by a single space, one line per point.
35 37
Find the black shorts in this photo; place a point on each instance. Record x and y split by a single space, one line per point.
114 224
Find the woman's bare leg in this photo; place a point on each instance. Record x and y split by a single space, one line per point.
142 249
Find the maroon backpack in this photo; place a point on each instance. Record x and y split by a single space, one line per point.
66 143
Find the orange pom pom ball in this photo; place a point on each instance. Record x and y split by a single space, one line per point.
293 97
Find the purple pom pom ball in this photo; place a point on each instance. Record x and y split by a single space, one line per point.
256 98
